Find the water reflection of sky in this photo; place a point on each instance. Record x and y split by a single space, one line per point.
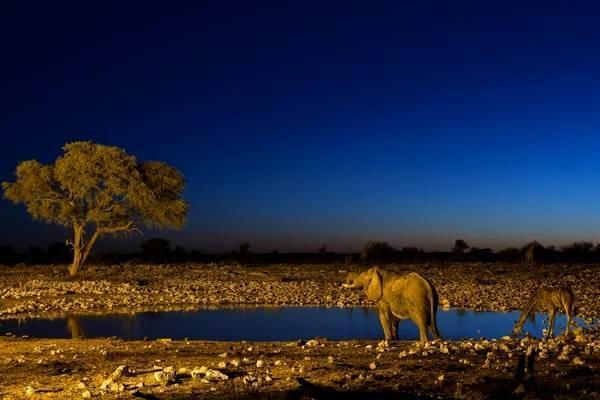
265 324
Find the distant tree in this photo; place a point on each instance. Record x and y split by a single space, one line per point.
58 253
243 254
579 251
408 249
8 255
196 255
478 254
378 252
412 254
551 254
511 254
101 189
156 249
460 246
579 247
179 254
324 256
35 255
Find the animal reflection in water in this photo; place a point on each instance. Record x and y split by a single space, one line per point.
550 299
399 297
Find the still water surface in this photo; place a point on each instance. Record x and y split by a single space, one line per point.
267 324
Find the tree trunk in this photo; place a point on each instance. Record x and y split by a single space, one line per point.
77 262
81 250
78 250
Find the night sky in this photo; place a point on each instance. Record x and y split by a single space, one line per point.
321 122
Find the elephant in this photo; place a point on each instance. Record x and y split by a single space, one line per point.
399 297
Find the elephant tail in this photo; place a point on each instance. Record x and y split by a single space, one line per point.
433 303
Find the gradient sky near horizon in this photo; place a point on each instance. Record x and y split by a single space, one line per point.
303 123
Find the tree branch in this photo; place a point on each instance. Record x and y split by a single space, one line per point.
124 228
88 247
53 200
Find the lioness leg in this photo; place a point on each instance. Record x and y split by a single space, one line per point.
394 327
551 323
569 311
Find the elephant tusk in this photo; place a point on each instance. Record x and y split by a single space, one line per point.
345 285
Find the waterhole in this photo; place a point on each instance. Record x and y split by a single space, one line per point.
270 324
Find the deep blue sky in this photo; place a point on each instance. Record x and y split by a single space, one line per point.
324 122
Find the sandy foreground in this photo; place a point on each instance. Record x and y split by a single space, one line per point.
317 368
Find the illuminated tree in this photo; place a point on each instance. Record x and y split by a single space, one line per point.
98 190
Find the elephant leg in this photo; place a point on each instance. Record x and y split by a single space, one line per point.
386 323
551 323
434 332
423 334
421 322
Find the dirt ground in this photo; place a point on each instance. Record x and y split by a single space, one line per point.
321 369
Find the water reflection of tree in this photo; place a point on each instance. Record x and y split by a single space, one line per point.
132 325
74 327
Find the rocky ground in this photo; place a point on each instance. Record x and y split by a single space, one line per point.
316 369
33 290
112 368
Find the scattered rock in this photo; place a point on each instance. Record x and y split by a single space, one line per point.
578 361
208 374
166 377
111 383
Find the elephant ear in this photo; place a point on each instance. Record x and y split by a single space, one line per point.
374 289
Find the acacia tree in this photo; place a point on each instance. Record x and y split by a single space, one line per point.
460 246
98 190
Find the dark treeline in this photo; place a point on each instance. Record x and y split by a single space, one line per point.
158 250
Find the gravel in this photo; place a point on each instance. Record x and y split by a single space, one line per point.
34 290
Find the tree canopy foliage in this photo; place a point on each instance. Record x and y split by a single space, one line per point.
460 246
377 252
156 249
102 188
